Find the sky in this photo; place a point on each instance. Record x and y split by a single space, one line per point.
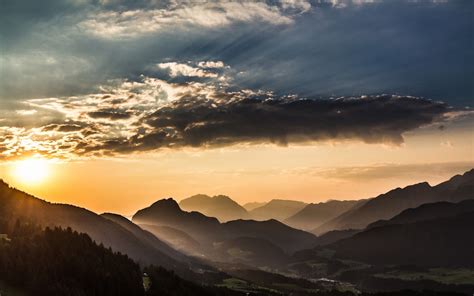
126 102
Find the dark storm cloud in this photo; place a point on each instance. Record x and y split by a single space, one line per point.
158 115
370 119
110 114
201 122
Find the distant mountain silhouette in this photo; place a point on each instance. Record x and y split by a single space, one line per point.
16 205
389 204
166 212
220 206
330 225
313 215
253 205
445 242
278 209
208 231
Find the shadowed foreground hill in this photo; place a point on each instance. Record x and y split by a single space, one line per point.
16 205
447 242
432 235
313 215
63 262
389 204
220 206
60 262
428 212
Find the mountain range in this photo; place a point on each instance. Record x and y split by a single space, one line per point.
418 229
446 241
389 204
208 231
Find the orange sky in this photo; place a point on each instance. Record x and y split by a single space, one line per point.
117 104
311 172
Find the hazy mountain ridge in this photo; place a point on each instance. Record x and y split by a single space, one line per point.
208 231
145 236
277 209
253 205
389 204
166 212
313 215
179 239
221 207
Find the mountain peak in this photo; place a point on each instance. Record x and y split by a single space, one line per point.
407 189
220 206
199 196
166 203
222 197
419 185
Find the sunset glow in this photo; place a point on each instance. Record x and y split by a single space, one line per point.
301 100
236 147
31 171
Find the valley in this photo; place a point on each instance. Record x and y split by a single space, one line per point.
411 248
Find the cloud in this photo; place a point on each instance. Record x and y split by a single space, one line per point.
348 3
152 114
26 112
298 5
65 128
211 64
311 48
251 117
387 171
178 69
135 22
110 114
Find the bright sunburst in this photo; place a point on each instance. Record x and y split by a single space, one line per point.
31 171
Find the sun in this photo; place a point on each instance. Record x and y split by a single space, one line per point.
31 171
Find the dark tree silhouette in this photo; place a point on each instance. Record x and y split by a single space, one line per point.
63 262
